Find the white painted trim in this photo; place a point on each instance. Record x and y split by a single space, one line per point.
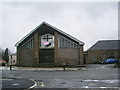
60 31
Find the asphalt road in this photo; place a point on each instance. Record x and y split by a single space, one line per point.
11 83
93 76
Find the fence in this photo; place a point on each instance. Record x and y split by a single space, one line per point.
67 61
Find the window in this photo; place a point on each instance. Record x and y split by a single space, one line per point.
28 44
72 44
47 41
64 42
61 42
68 44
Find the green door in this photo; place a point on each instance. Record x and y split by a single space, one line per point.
46 55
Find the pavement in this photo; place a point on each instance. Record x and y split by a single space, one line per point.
41 69
10 83
92 76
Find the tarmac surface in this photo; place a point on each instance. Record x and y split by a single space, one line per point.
92 76
11 83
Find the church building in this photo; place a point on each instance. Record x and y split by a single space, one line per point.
48 45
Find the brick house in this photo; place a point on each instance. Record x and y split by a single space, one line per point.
48 45
102 50
12 59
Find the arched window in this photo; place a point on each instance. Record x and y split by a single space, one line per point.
47 41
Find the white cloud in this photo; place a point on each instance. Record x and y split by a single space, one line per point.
0 25
88 22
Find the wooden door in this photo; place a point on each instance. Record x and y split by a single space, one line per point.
46 55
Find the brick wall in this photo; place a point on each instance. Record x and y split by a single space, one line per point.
26 57
97 55
36 49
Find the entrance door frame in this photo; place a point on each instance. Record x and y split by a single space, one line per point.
44 54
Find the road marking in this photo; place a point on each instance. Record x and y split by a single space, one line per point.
86 87
105 81
33 85
15 84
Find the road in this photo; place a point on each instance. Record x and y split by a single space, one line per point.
11 83
93 76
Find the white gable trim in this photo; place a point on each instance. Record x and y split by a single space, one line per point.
80 42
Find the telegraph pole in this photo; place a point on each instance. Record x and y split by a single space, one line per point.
11 63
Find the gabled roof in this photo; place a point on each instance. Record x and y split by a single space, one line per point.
106 45
58 30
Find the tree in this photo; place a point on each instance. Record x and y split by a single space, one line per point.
1 53
6 56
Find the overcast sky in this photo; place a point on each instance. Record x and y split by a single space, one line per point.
86 21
